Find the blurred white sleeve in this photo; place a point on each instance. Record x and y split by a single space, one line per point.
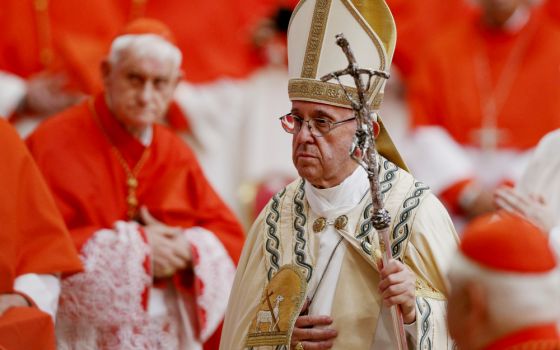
436 159
12 90
43 289
555 241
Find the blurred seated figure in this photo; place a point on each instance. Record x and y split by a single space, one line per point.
35 249
505 287
158 244
537 195
483 96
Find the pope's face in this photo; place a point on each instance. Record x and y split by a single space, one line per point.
323 161
139 88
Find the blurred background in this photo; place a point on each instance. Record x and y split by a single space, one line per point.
475 84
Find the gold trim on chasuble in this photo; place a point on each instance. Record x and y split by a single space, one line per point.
298 224
280 304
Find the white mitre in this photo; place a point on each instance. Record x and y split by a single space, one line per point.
313 53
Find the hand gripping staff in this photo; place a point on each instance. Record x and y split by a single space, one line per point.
364 153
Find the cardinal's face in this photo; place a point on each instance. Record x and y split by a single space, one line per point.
139 88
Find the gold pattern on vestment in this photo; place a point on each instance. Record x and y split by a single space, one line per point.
280 305
319 224
339 223
425 290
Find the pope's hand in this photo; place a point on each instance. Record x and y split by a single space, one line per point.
8 301
171 251
531 207
398 287
312 332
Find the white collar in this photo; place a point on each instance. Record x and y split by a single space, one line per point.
517 20
340 199
146 137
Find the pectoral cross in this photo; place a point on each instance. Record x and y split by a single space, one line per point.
131 199
488 138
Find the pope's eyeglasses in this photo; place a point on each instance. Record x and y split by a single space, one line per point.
317 126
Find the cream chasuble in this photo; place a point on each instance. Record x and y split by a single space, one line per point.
423 237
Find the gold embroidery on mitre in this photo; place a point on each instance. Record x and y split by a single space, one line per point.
318 91
331 93
315 39
280 305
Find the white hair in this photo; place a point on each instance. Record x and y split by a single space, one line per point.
516 299
145 45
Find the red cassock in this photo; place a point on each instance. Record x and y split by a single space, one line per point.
76 153
73 37
418 22
34 240
553 8
451 86
491 94
60 36
542 337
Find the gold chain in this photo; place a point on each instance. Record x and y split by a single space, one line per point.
131 175
496 95
44 33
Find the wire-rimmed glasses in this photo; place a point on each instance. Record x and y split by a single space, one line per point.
317 126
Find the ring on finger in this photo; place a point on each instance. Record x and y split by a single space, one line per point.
299 346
